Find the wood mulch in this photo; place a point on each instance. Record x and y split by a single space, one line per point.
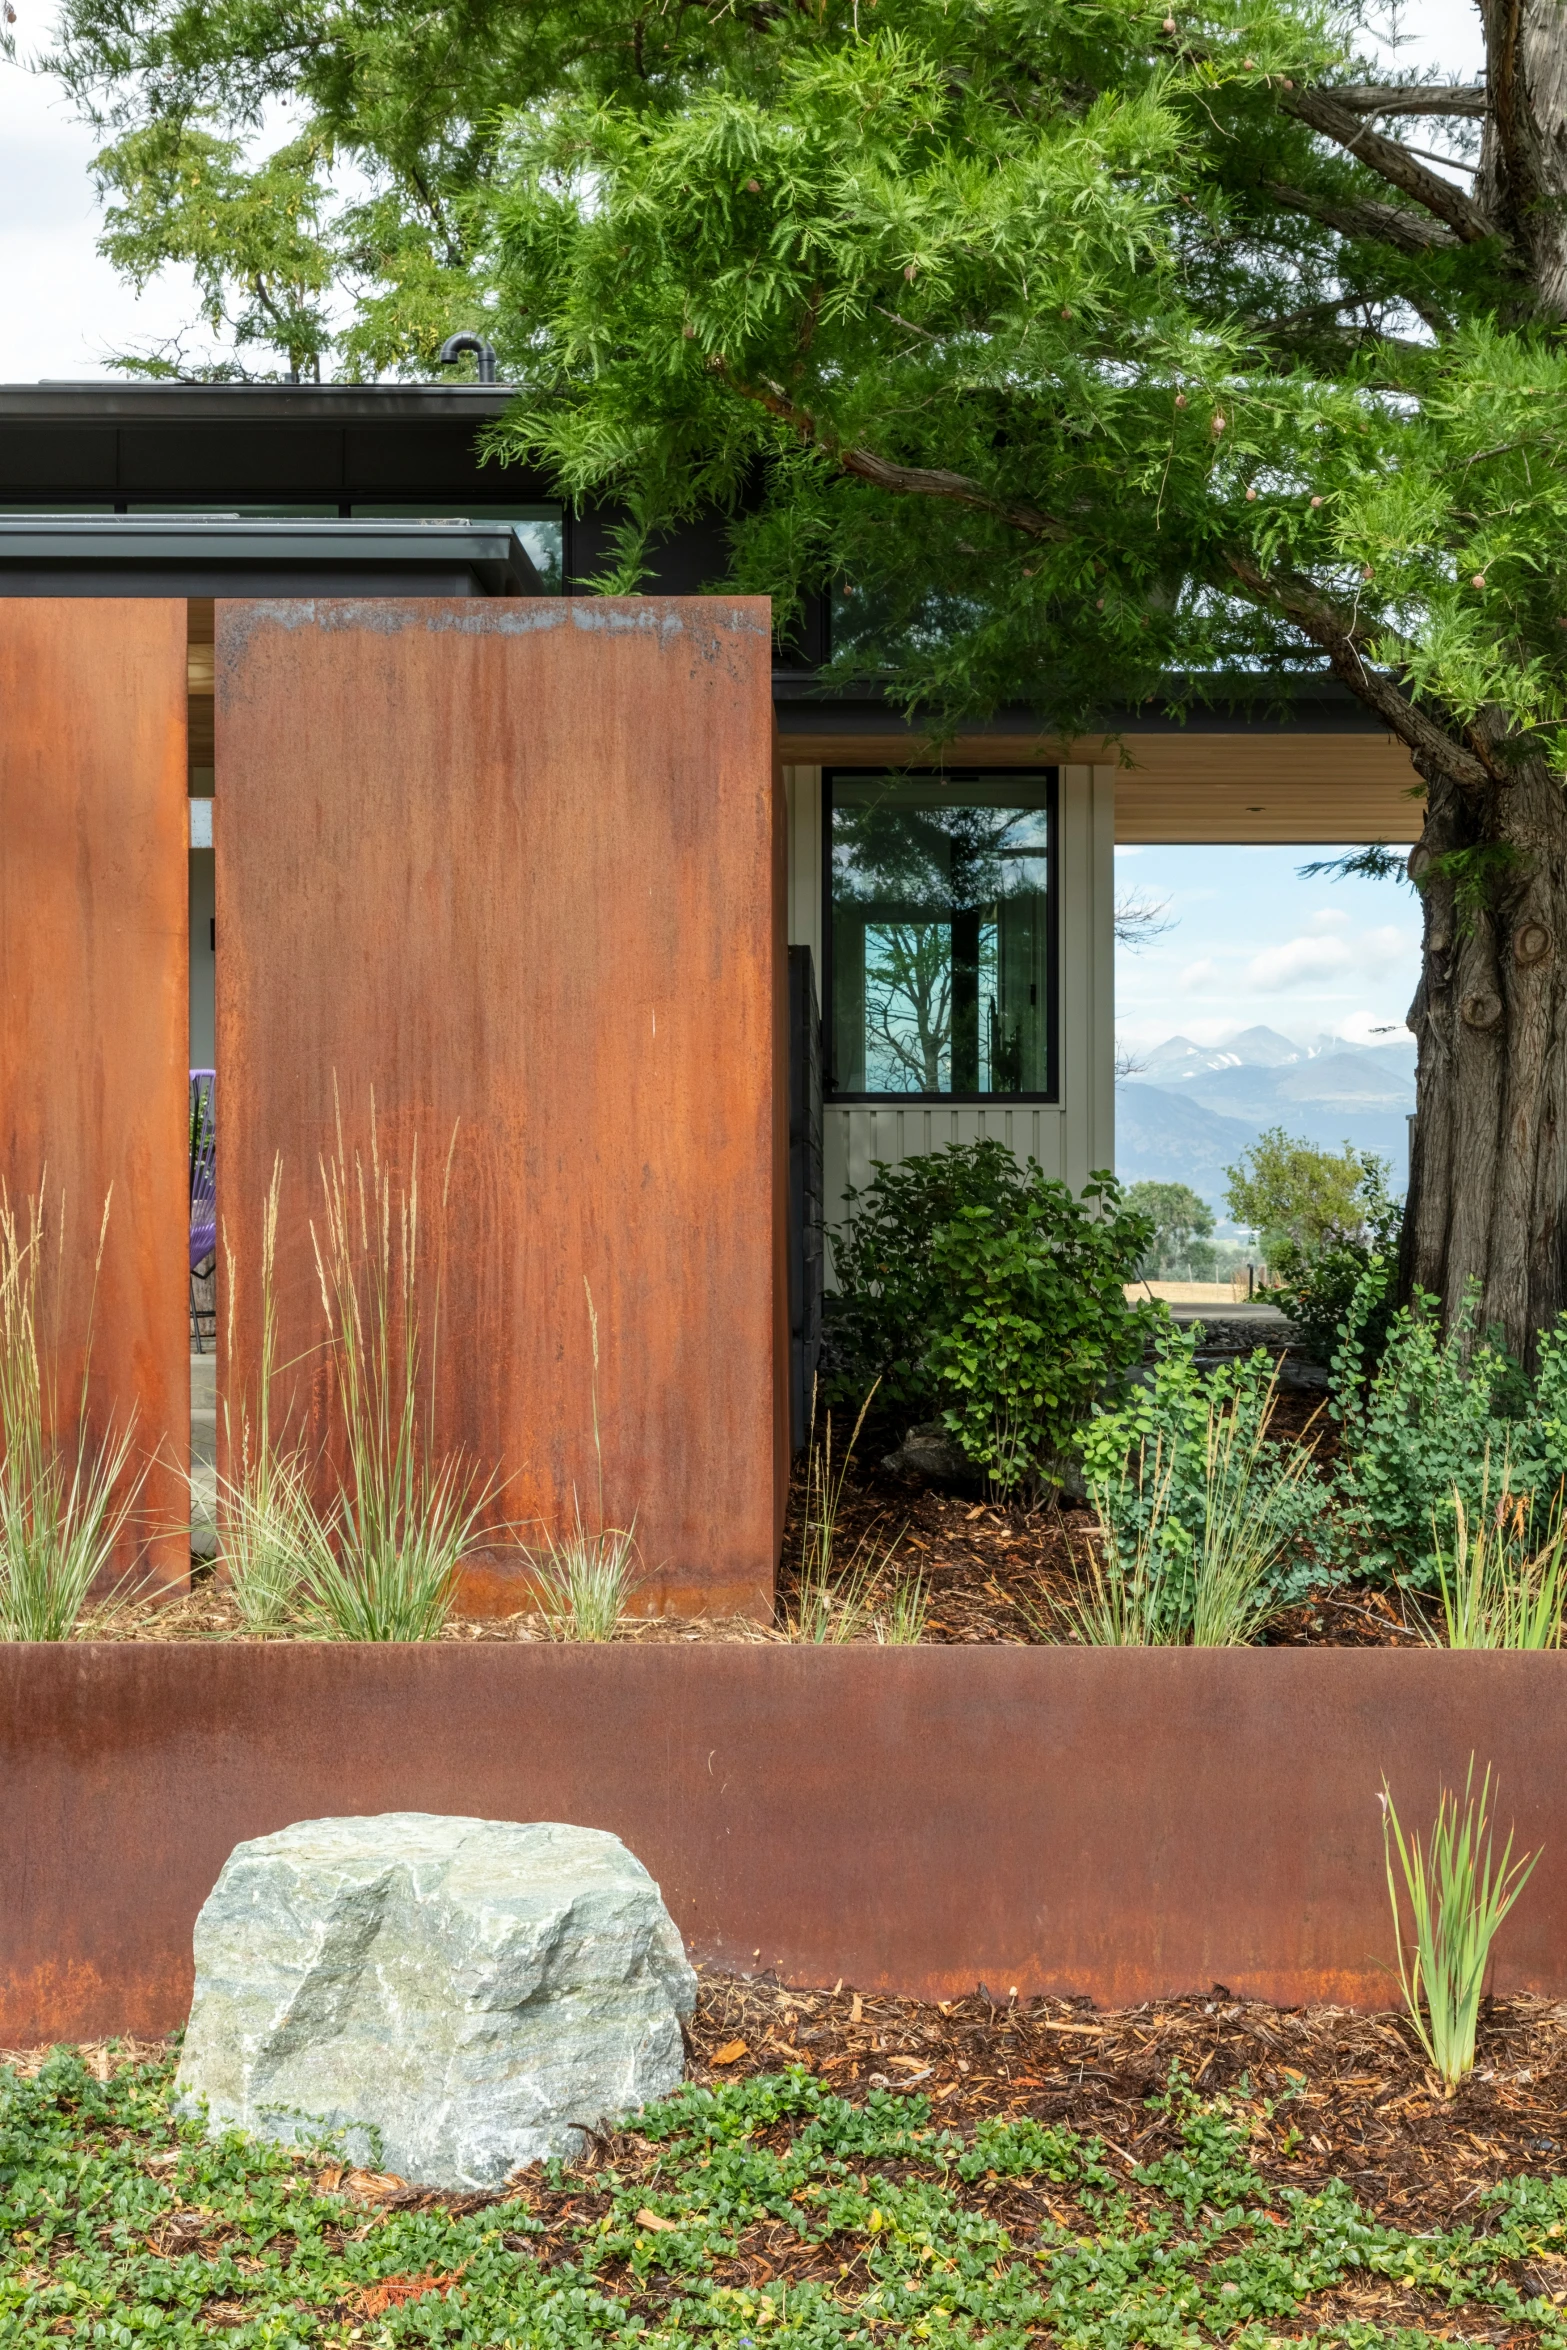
1351 2094
990 1574
1327 2093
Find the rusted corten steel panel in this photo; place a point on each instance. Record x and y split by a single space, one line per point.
94 1038
513 869
1121 1824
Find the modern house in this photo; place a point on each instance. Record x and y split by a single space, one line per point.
957 911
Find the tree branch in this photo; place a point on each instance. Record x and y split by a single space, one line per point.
920 481
1322 111
1415 98
1338 635
1384 224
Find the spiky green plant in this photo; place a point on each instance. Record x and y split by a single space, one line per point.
403 1515
900 1620
586 1578
1458 1895
1495 1591
272 1537
65 1498
833 1600
1153 1581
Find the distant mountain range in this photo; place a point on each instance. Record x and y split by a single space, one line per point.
1191 1110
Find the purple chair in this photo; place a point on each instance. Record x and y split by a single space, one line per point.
203 1200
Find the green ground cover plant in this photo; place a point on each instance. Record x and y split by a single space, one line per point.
124 2227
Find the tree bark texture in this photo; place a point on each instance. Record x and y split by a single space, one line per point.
1489 1170
1488 1179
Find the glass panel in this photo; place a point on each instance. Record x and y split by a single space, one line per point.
539 528
940 936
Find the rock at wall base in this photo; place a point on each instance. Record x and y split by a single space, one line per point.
445 1998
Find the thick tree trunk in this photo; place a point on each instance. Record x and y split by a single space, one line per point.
1489 1169
1489 1172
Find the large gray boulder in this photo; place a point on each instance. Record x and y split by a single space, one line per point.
476 1993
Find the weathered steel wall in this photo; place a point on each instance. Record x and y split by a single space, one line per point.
93 1032
1117 1823
513 871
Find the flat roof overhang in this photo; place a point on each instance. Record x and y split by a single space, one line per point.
1321 771
205 556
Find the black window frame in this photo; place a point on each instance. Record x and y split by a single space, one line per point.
1050 779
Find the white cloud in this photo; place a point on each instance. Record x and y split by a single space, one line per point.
1286 966
1202 974
1331 918
1317 956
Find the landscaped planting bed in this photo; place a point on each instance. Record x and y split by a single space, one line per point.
1175 2174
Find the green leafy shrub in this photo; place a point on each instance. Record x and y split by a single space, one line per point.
976 1287
1431 1424
1209 1522
1323 1220
1436 1426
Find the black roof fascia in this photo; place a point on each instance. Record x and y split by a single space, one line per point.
1313 704
162 555
119 444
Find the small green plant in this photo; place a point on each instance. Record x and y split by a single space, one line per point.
834 1602
402 1517
65 1499
1459 1895
1169 1574
271 1536
900 1620
1209 1524
586 1579
1495 1591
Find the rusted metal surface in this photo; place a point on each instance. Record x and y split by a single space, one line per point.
93 1040
1123 1824
513 869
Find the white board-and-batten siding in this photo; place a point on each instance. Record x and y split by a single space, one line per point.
1069 1137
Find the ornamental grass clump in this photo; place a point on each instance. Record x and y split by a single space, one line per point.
586 1578
1497 1592
1201 1513
402 1516
1459 1895
65 1498
272 1538
835 1602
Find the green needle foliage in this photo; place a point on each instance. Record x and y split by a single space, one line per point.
1458 1895
126 2227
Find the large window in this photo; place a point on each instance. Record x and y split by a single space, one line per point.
941 936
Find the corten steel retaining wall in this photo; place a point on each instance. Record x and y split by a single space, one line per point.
1124 1824
512 869
95 1015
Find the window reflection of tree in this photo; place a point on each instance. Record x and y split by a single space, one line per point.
926 881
